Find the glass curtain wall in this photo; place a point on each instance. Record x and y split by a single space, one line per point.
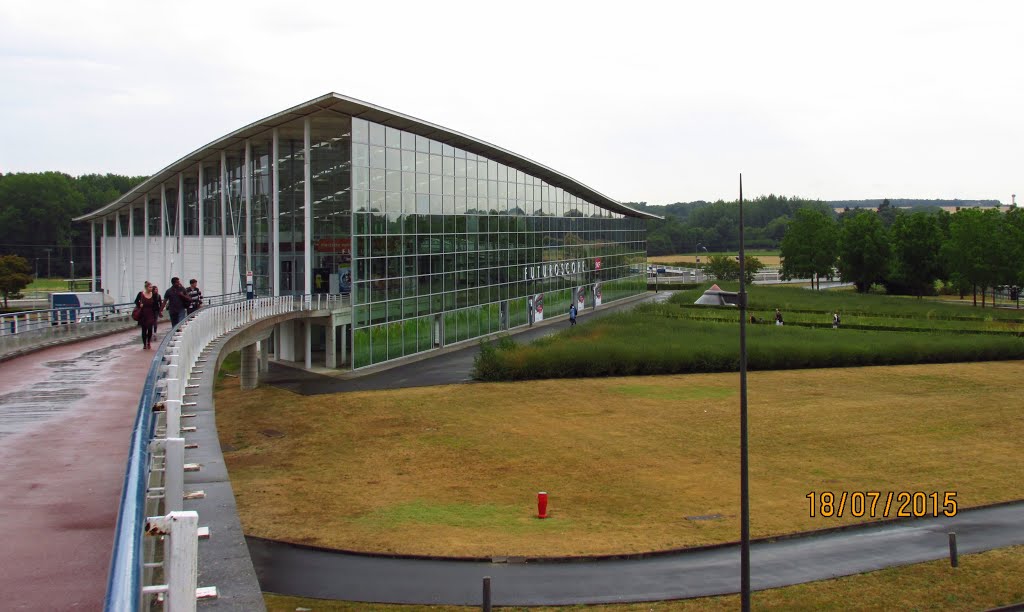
331 173
211 199
450 245
236 218
291 215
190 216
261 203
153 213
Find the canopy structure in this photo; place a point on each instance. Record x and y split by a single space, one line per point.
337 103
716 297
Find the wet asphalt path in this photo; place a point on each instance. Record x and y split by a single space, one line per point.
446 368
66 416
306 572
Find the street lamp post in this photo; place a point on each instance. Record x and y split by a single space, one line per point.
47 262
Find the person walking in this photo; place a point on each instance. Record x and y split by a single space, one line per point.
835 320
572 315
175 300
195 296
160 311
778 317
148 303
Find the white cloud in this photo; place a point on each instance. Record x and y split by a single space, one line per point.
643 101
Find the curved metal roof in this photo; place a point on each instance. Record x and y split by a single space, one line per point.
364 110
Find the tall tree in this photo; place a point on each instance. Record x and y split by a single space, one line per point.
967 252
863 250
916 250
36 211
809 247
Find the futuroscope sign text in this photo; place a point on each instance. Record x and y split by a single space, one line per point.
561 268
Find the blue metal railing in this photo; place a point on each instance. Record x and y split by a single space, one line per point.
124 582
127 569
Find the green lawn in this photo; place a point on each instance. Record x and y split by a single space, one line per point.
679 337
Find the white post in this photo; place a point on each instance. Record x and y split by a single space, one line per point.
105 260
92 255
181 225
275 248
247 194
309 343
180 558
200 230
172 408
223 222
131 249
120 266
174 474
145 232
163 236
307 230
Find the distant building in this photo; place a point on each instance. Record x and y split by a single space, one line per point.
437 236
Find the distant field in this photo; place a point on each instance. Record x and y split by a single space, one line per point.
768 258
454 470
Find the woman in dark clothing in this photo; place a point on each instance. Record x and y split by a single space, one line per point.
160 305
149 302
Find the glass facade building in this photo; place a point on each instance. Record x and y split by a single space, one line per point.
437 237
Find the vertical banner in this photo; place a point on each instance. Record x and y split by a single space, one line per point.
530 310
345 276
581 298
538 307
597 294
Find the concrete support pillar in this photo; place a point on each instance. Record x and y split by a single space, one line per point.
249 372
344 344
265 355
286 342
308 344
331 348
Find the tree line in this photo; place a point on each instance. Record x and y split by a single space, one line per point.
690 227
908 252
36 209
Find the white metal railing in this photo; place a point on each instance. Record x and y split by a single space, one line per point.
71 316
165 567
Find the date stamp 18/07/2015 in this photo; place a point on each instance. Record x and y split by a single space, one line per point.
879 504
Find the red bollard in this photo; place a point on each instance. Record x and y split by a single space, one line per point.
542 505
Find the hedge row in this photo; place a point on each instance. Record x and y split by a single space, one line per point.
642 342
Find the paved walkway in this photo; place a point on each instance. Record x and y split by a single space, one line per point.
66 416
307 572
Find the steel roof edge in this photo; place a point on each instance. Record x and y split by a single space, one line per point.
384 116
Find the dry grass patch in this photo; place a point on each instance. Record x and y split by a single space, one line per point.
982 581
454 470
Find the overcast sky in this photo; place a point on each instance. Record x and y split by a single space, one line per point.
658 102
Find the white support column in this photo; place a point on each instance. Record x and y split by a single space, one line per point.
344 344
200 230
119 273
145 232
131 249
163 237
308 327
331 346
105 260
181 227
275 237
92 255
307 230
224 225
247 194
